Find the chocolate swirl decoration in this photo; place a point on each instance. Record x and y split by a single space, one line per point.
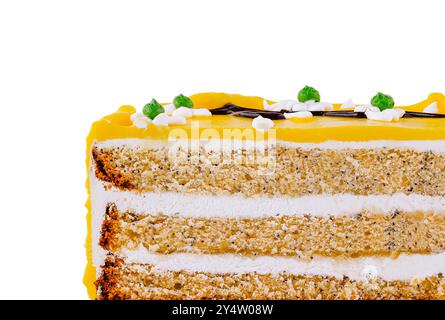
234 110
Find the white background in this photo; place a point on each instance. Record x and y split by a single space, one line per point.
64 64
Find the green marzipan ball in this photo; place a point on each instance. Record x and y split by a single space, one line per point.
182 101
382 101
307 94
152 109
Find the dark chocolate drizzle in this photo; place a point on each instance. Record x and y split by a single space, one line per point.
232 109
412 114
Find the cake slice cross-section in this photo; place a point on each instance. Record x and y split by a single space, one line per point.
223 196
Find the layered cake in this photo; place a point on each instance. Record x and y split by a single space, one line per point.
223 196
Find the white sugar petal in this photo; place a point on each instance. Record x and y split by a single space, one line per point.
362 108
176 120
161 120
183 112
298 114
319 106
141 123
379 116
137 115
300 107
169 108
366 107
328 106
201 112
399 113
262 124
348 104
432 108
280 105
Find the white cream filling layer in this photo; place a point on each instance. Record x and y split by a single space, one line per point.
237 206
99 199
437 146
405 267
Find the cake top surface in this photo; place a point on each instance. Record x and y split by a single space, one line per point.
290 120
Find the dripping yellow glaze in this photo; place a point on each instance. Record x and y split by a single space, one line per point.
317 129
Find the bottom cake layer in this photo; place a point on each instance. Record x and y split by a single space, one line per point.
121 280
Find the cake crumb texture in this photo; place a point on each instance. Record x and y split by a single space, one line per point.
296 171
137 281
363 234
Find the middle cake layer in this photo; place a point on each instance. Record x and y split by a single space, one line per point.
363 234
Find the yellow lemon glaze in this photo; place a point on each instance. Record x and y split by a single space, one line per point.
118 125
317 129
